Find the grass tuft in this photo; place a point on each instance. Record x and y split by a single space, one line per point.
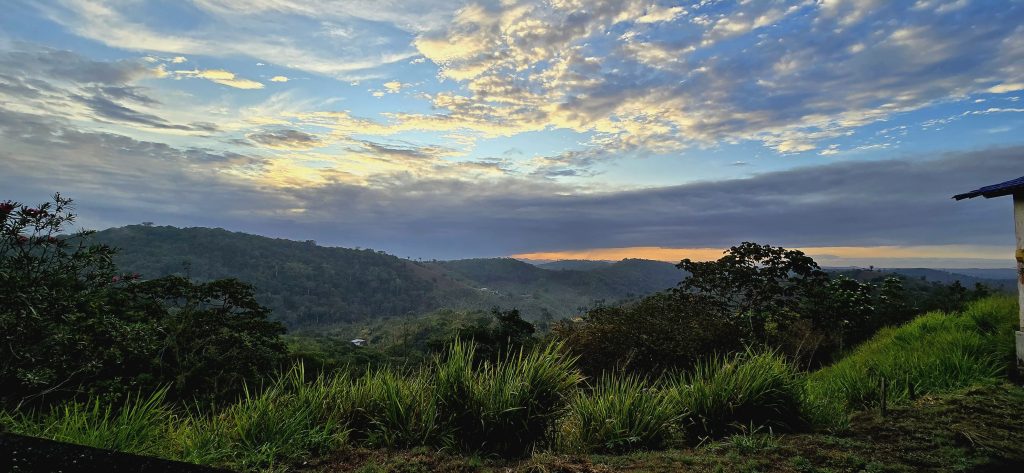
724 395
620 414
138 426
506 407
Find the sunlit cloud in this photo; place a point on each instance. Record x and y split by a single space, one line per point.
222 77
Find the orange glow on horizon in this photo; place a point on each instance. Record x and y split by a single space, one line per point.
674 255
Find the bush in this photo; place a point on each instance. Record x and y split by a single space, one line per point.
934 353
724 395
505 407
620 414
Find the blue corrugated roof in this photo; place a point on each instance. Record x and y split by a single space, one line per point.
995 190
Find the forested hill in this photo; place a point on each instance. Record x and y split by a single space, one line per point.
308 285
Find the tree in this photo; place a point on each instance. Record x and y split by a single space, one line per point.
71 324
845 308
760 286
55 325
214 335
661 332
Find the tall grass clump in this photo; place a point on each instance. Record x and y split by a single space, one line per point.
137 426
290 418
505 407
933 353
395 410
620 414
725 395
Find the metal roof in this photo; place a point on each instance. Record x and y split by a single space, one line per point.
995 190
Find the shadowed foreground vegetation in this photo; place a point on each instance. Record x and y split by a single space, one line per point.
759 360
943 371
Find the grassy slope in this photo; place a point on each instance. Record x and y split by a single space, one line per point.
975 429
946 373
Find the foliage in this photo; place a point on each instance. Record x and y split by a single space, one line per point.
56 324
399 411
289 418
311 286
510 407
621 413
137 426
936 352
214 336
72 324
723 395
504 407
506 333
758 285
658 333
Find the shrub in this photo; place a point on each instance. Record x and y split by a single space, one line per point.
723 395
138 426
620 413
505 407
934 353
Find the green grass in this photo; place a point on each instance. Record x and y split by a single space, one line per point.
934 353
138 426
506 407
620 414
399 411
724 395
533 401
291 417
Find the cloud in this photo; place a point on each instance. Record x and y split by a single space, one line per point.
285 139
629 77
1006 87
65 66
222 77
454 213
286 33
43 81
105 108
279 79
727 73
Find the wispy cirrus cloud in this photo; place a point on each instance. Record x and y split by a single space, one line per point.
289 34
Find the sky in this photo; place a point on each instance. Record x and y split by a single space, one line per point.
536 129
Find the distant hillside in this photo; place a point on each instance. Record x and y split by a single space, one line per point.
947 276
568 288
573 264
309 286
1000 273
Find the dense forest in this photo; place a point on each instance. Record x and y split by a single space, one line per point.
310 286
